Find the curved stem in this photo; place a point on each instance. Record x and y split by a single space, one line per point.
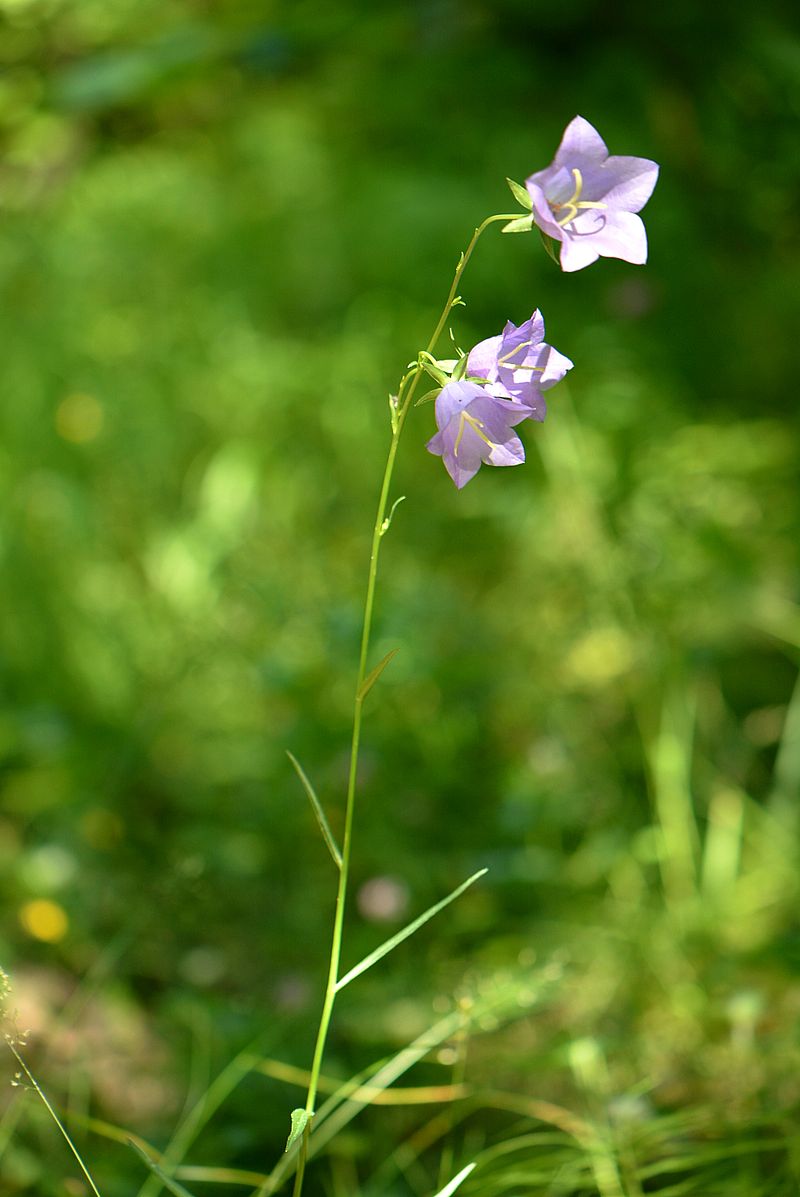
404 400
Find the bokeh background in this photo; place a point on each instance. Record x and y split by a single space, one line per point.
224 230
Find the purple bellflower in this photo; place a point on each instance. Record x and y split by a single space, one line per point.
518 365
588 200
474 427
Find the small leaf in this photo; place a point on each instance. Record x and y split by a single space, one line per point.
455 1182
166 1181
523 224
300 1120
521 194
316 806
370 680
392 943
426 398
387 523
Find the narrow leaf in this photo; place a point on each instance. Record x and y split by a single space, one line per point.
392 943
300 1119
521 194
523 224
370 680
166 1181
426 398
316 806
455 1182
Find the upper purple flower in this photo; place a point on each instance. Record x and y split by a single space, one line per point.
475 427
518 365
587 199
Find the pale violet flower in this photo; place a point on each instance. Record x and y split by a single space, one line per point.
518 365
475 427
588 199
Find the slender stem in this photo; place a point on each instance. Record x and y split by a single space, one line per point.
35 1085
404 401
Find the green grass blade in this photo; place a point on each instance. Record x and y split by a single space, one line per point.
191 1125
455 1182
392 943
316 806
166 1181
51 1111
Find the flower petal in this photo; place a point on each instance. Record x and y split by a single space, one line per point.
542 215
620 182
577 252
580 144
510 452
622 236
482 359
453 398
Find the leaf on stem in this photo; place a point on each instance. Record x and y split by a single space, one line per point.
300 1120
371 678
455 1182
392 943
166 1181
523 224
521 194
387 523
426 398
316 806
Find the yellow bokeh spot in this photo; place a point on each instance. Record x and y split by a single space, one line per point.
44 920
600 657
79 418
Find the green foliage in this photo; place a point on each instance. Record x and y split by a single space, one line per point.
224 232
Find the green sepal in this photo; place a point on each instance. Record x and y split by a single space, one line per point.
521 194
523 224
300 1120
550 244
460 370
426 398
430 367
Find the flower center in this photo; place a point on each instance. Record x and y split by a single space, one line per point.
575 204
476 425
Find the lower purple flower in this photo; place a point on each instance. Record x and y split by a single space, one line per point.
475 427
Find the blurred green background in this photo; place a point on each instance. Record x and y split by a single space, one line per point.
225 229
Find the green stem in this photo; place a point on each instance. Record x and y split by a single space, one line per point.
404 399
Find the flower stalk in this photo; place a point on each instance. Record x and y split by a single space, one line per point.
402 404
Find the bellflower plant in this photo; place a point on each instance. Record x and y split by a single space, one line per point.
588 199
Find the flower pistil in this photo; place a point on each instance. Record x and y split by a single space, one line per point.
575 203
475 424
